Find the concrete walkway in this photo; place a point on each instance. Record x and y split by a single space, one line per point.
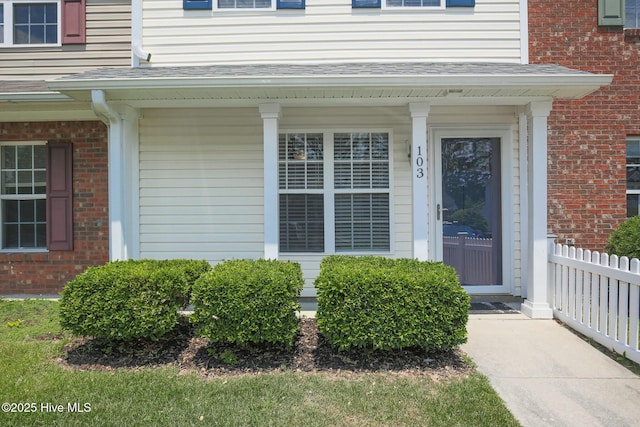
550 377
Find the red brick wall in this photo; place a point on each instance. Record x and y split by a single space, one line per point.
48 272
587 138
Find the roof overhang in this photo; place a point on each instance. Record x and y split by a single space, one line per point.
332 84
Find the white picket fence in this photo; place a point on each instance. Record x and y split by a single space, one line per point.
598 295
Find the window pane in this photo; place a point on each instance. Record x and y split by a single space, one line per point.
355 166
41 235
9 157
51 34
633 200
380 146
10 211
362 222
21 34
632 13
41 210
25 182
27 211
302 222
300 161
25 157
10 236
37 34
1 23
37 13
21 14
27 235
40 156
9 182
40 182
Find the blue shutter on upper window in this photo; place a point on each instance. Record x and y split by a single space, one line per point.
197 4
366 3
290 4
461 3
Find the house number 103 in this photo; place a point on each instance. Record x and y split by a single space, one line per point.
419 163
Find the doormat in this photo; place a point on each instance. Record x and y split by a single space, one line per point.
492 308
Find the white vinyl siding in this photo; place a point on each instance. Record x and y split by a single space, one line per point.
201 184
108 45
331 30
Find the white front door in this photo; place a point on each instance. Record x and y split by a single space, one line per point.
468 209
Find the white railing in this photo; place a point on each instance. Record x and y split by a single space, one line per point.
598 295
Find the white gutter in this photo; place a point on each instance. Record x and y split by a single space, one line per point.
34 97
117 249
447 81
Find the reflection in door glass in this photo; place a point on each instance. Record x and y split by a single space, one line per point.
471 215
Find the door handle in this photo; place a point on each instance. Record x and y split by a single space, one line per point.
440 211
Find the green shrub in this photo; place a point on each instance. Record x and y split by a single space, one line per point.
247 302
381 303
126 300
625 240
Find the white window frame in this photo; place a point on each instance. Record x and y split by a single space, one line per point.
8 23
329 191
20 197
405 8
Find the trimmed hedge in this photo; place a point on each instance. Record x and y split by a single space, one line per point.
127 300
625 240
249 302
381 303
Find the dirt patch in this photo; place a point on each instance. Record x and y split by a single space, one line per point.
310 353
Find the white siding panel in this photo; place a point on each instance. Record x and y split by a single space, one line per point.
330 30
201 184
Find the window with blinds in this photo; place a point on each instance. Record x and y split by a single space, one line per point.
301 183
348 172
361 182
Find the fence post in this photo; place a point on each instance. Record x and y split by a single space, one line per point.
551 270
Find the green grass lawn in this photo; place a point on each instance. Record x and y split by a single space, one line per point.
31 380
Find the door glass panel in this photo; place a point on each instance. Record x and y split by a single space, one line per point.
471 209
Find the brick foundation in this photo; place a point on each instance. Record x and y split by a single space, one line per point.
48 272
587 137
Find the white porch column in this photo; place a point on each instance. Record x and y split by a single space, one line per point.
131 181
419 113
270 115
537 303
117 248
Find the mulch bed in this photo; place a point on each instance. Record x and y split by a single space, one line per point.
310 353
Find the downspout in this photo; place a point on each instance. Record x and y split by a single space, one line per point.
117 249
524 32
137 52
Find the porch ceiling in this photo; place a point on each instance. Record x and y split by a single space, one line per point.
391 83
